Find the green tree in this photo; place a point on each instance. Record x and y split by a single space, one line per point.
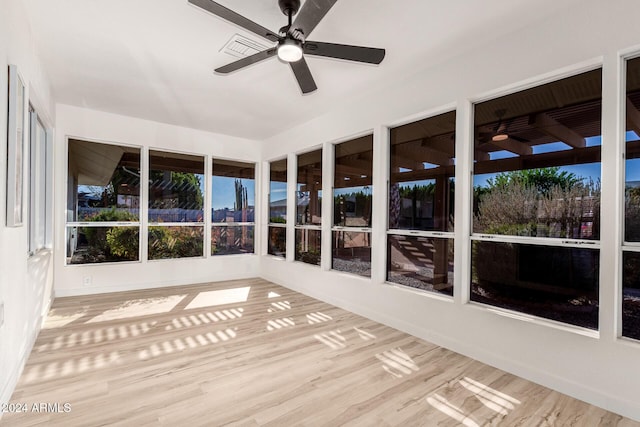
542 179
537 202
184 185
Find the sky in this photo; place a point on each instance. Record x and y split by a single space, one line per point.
223 192
277 191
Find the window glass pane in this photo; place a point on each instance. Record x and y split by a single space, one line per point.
88 245
278 191
232 191
176 187
421 262
558 283
352 252
632 167
537 161
631 295
277 241
175 242
226 240
353 182
309 188
41 204
421 190
308 246
103 182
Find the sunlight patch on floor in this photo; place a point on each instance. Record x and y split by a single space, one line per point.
332 339
285 322
55 320
447 408
199 319
491 398
282 305
189 342
318 317
139 307
220 297
397 362
366 336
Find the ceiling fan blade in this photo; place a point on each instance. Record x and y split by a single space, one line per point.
303 75
233 17
369 55
244 62
311 13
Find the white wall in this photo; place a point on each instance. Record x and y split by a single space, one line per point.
25 282
596 367
104 127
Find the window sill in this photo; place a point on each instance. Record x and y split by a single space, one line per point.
565 327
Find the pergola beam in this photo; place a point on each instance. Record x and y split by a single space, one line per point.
633 117
511 145
548 125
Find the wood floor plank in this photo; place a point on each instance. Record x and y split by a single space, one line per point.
252 353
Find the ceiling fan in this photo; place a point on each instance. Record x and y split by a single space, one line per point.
500 132
292 43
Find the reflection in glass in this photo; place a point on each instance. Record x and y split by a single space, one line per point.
89 245
105 182
537 161
308 246
421 190
278 192
309 188
631 295
176 186
353 182
232 191
176 242
632 165
277 241
558 283
352 252
421 262
227 240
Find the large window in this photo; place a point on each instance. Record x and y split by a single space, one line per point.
308 207
176 205
39 185
631 246
421 202
278 208
103 223
352 197
232 207
536 200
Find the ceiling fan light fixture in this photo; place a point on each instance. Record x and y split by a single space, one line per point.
500 137
289 50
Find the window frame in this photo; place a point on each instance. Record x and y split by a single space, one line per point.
186 224
311 227
271 224
77 224
213 224
353 229
430 234
595 244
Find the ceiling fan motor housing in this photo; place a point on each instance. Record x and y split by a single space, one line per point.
289 7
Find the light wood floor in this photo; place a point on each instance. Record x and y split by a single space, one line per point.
253 353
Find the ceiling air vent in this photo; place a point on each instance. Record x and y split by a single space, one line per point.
241 47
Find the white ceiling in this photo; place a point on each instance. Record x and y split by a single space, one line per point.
154 59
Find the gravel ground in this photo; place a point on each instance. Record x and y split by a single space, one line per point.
353 265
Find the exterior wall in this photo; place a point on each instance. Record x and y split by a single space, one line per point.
598 367
25 281
97 126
